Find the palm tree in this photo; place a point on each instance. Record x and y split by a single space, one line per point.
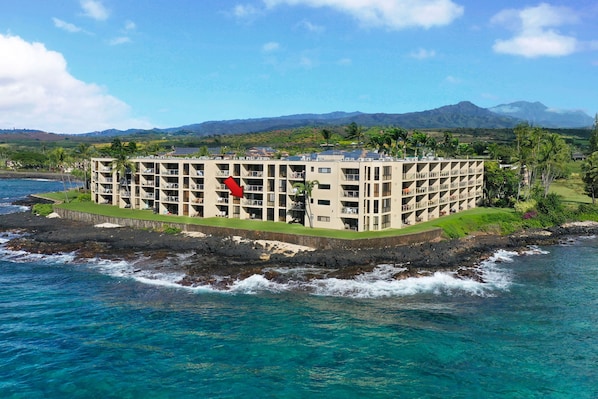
305 190
326 134
123 166
589 175
59 157
84 152
354 131
398 135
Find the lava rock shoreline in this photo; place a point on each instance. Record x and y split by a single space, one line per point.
214 256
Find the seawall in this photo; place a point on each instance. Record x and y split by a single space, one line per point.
305 240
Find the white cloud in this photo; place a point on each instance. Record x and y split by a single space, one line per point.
390 14
452 80
94 9
422 54
130 25
245 11
310 27
535 35
270 47
37 92
119 40
60 24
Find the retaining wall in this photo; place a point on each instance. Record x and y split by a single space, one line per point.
309 241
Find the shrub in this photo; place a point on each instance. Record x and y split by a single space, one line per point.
172 230
525 206
42 209
86 197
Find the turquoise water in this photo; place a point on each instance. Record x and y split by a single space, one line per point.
77 331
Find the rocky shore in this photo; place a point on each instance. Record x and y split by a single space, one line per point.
221 261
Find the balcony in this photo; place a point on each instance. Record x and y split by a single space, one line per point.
223 173
255 173
350 194
171 198
197 187
250 202
171 185
349 210
172 172
254 188
352 177
297 175
407 207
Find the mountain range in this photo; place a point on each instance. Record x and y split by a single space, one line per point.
462 115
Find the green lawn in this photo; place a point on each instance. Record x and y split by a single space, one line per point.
571 190
457 225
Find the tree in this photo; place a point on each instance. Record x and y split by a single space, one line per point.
418 140
60 159
594 136
305 190
83 154
553 156
380 142
326 134
589 169
500 185
355 132
398 136
528 140
123 166
449 144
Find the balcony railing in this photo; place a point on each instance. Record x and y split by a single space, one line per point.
352 177
255 173
351 194
254 188
250 202
349 210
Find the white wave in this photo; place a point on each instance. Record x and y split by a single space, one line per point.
257 283
28 257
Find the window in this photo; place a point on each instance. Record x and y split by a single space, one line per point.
323 186
324 170
323 202
323 218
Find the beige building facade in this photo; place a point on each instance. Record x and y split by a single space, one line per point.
357 194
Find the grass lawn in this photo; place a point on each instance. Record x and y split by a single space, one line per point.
571 190
495 220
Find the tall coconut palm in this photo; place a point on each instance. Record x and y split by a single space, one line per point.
59 158
589 175
305 189
123 166
83 153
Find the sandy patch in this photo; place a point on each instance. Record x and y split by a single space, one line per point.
107 225
53 215
275 247
588 223
195 234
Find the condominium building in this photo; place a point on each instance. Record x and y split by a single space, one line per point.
360 194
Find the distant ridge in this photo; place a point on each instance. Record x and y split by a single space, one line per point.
462 115
538 114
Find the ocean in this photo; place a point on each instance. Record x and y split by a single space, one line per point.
70 330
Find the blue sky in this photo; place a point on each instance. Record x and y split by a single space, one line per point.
73 66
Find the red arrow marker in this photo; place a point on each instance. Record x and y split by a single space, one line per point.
233 186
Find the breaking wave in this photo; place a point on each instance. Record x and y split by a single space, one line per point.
381 282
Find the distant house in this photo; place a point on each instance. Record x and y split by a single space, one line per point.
267 152
578 156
